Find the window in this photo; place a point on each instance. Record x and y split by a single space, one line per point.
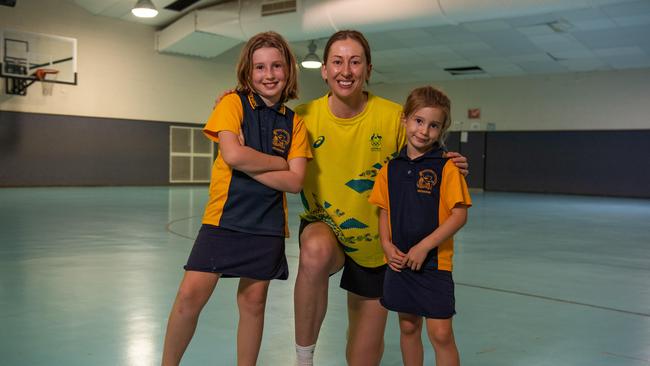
190 155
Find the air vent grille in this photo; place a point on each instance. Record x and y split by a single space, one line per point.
468 70
180 5
279 7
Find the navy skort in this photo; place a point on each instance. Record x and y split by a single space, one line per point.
236 254
428 293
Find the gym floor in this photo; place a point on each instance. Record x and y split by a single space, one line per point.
88 276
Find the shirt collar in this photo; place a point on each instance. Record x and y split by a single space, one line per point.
256 102
437 152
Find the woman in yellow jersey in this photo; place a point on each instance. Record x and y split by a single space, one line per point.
353 133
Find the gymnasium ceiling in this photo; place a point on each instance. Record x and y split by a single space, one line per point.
615 36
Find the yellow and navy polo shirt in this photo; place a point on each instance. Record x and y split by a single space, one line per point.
419 195
237 201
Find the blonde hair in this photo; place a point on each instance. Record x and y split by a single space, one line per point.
428 96
245 64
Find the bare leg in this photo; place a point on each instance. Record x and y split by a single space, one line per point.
320 255
410 339
441 336
193 294
367 322
251 300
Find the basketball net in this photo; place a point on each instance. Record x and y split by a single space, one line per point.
47 74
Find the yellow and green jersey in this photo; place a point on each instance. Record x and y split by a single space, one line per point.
347 155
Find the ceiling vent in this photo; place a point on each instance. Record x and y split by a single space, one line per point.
559 26
180 5
468 70
274 7
555 58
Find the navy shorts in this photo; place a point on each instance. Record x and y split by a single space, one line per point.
362 281
428 293
237 254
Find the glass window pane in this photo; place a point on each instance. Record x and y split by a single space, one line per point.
181 140
202 168
180 168
202 144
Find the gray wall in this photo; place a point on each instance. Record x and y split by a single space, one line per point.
609 163
55 150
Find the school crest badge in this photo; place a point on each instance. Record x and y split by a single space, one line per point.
280 140
427 179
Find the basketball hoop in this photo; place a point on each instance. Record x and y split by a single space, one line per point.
45 76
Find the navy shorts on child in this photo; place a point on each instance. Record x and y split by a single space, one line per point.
237 254
428 293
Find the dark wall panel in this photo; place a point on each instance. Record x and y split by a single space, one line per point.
453 141
474 151
611 163
52 150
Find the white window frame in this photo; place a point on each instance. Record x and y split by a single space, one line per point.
190 155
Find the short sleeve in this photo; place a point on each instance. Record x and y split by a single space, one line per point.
226 116
299 142
454 188
379 194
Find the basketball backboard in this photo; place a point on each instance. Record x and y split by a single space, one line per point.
22 54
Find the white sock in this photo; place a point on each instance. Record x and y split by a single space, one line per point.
305 355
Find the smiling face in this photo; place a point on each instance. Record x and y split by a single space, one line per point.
423 129
268 76
346 69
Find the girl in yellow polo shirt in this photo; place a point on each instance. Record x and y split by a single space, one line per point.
423 201
263 153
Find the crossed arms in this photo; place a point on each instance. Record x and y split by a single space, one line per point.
270 170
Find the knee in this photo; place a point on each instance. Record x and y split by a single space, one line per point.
252 302
411 327
317 255
441 336
188 302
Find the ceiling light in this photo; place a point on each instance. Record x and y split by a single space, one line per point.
311 59
144 9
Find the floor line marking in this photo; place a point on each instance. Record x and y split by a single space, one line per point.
168 227
553 299
624 356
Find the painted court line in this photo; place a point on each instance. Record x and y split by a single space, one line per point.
553 299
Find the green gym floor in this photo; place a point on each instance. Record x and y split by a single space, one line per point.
88 276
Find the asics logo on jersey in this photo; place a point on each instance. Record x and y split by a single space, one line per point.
319 141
